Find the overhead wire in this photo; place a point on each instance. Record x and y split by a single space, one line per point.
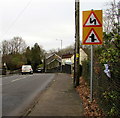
16 19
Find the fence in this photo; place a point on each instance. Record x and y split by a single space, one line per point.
65 69
106 90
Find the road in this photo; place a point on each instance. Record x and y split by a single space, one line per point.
19 91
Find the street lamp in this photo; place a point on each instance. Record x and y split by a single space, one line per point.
60 41
61 54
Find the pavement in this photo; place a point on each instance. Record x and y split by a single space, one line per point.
59 99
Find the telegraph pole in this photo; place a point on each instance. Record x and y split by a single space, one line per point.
44 67
77 45
61 57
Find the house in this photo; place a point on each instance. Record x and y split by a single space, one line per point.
68 61
0 64
83 56
0 61
53 61
69 58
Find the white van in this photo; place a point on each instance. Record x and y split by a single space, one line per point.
27 69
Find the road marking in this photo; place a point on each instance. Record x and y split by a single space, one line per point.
30 75
18 79
21 78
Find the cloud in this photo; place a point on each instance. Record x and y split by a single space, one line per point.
42 21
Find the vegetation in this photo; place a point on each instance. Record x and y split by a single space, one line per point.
67 50
107 89
15 53
35 56
111 56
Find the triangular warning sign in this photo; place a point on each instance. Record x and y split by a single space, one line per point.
92 21
92 38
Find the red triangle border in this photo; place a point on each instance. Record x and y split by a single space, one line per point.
84 42
92 12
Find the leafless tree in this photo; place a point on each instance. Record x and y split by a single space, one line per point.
5 47
111 17
13 46
18 45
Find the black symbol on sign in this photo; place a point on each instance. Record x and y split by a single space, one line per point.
92 21
92 38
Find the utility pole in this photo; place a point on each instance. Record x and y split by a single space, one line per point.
77 45
61 57
44 67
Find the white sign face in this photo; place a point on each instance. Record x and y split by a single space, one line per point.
92 21
92 38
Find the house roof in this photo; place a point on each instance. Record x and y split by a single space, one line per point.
53 61
52 58
84 50
67 56
53 55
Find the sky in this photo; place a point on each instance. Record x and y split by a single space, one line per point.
43 21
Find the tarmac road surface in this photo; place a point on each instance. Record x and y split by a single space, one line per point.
19 91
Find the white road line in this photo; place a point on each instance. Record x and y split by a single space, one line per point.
30 75
18 79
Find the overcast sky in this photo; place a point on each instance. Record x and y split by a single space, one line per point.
42 21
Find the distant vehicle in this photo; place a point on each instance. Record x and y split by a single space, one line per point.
2 71
27 69
39 70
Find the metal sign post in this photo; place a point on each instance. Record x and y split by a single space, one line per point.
92 35
91 75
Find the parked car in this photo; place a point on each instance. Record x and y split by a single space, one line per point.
3 71
27 69
39 70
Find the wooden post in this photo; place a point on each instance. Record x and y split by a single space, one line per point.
77 44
